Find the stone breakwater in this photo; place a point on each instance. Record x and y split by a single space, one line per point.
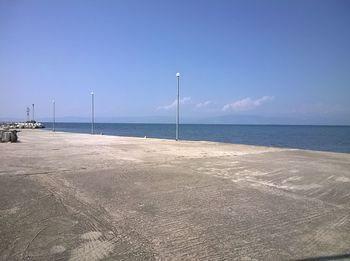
22 125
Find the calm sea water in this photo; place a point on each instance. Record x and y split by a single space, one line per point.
324 138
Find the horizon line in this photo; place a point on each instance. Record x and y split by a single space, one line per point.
167 123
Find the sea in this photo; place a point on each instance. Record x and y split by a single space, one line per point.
321 138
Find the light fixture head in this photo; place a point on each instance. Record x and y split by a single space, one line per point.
177 74
92 93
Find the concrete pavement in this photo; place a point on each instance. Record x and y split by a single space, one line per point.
68 196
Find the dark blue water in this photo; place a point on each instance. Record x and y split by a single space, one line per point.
324 138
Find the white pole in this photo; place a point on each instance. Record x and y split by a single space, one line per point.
92 113
178 106
33 111
28 116
54 115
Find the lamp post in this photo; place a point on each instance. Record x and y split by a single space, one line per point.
178 106
54 115
33 111
28 117
92 113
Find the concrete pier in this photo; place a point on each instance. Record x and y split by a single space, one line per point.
71 196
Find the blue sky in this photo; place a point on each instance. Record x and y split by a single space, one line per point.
283 61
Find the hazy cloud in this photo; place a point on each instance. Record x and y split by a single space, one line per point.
204 104
172 105
247 104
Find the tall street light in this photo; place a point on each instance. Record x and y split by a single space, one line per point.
28 117
53 115
92 113
33 110
178 105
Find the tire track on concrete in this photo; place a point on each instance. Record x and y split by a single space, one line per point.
277 190
103 239
273 223
322 235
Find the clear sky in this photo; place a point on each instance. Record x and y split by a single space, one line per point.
286 61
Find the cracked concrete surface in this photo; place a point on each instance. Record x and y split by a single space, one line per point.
68 196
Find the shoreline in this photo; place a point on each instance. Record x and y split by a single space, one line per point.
201 141
317 138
